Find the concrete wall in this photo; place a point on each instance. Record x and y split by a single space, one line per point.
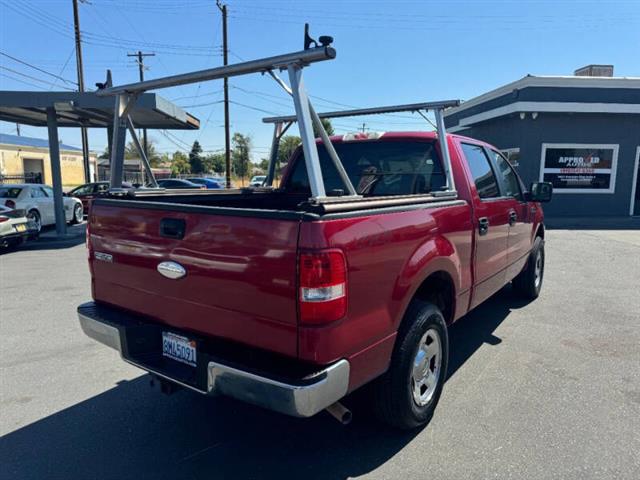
529 135
12 163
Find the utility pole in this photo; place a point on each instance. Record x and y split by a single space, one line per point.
364 126
18 129
140 61
225 56
83 130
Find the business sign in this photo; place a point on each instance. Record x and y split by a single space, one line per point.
579 168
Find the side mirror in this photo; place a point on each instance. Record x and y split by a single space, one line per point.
540 192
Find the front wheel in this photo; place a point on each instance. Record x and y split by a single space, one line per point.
407 394
528 283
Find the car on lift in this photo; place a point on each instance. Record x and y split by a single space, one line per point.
15 227
37 201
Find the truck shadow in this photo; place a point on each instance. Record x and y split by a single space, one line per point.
131 431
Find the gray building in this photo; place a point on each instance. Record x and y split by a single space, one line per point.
581 133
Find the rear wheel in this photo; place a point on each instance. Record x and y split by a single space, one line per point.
528 283
407 394
77 214
34 216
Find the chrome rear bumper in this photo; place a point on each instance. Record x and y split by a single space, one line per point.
302 398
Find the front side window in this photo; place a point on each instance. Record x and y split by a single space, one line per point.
481 171
48 191
37 193
508 176
376 168
83 190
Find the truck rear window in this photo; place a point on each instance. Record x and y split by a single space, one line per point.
376 168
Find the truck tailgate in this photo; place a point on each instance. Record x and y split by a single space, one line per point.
240 281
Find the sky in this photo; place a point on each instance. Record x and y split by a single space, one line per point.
388 52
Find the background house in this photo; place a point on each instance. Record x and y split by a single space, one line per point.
26 159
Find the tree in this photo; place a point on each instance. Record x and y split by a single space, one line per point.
288 144
180 164
214 163
264 164
326 123
131 153
195 158
241 155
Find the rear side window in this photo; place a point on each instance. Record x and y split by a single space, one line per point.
508 176
37 192
6 192
376 168
481 171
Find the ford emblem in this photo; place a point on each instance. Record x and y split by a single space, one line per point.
171 270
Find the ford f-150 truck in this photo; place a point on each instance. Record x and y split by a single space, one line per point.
265 296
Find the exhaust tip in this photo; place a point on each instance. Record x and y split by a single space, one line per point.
340 413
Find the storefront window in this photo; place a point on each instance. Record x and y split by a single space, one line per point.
579 168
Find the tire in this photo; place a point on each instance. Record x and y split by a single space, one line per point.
34 215
397 399
77 214
528 283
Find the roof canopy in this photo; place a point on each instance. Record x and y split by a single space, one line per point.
75 109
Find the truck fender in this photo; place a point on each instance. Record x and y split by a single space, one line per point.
435 255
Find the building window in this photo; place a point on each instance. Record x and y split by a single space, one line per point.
513 155
579 168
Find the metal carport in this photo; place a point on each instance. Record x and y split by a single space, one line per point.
86 109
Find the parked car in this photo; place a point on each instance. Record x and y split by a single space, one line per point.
89 191
178 183
15 227
37 201
257 181
207 182
291 304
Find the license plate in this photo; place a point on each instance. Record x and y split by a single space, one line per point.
21 227
179 348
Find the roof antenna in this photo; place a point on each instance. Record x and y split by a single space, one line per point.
107 84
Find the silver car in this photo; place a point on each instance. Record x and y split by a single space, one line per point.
37 201
15 227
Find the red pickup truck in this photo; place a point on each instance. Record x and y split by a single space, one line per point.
265 296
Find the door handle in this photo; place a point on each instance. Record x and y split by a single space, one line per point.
513 217
483 225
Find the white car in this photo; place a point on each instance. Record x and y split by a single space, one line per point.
257 181
37 201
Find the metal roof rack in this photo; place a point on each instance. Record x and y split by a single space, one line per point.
282 124
293 63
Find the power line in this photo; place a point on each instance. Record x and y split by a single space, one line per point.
37 68
33 78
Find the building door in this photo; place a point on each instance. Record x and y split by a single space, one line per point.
33 170
635 188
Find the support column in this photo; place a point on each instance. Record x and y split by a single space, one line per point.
119 136
56 171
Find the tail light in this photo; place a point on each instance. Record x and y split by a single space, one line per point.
10 204
323 286
3 218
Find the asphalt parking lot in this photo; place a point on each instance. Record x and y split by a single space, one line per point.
549 389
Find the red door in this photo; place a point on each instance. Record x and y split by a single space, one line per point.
491 220
520 226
